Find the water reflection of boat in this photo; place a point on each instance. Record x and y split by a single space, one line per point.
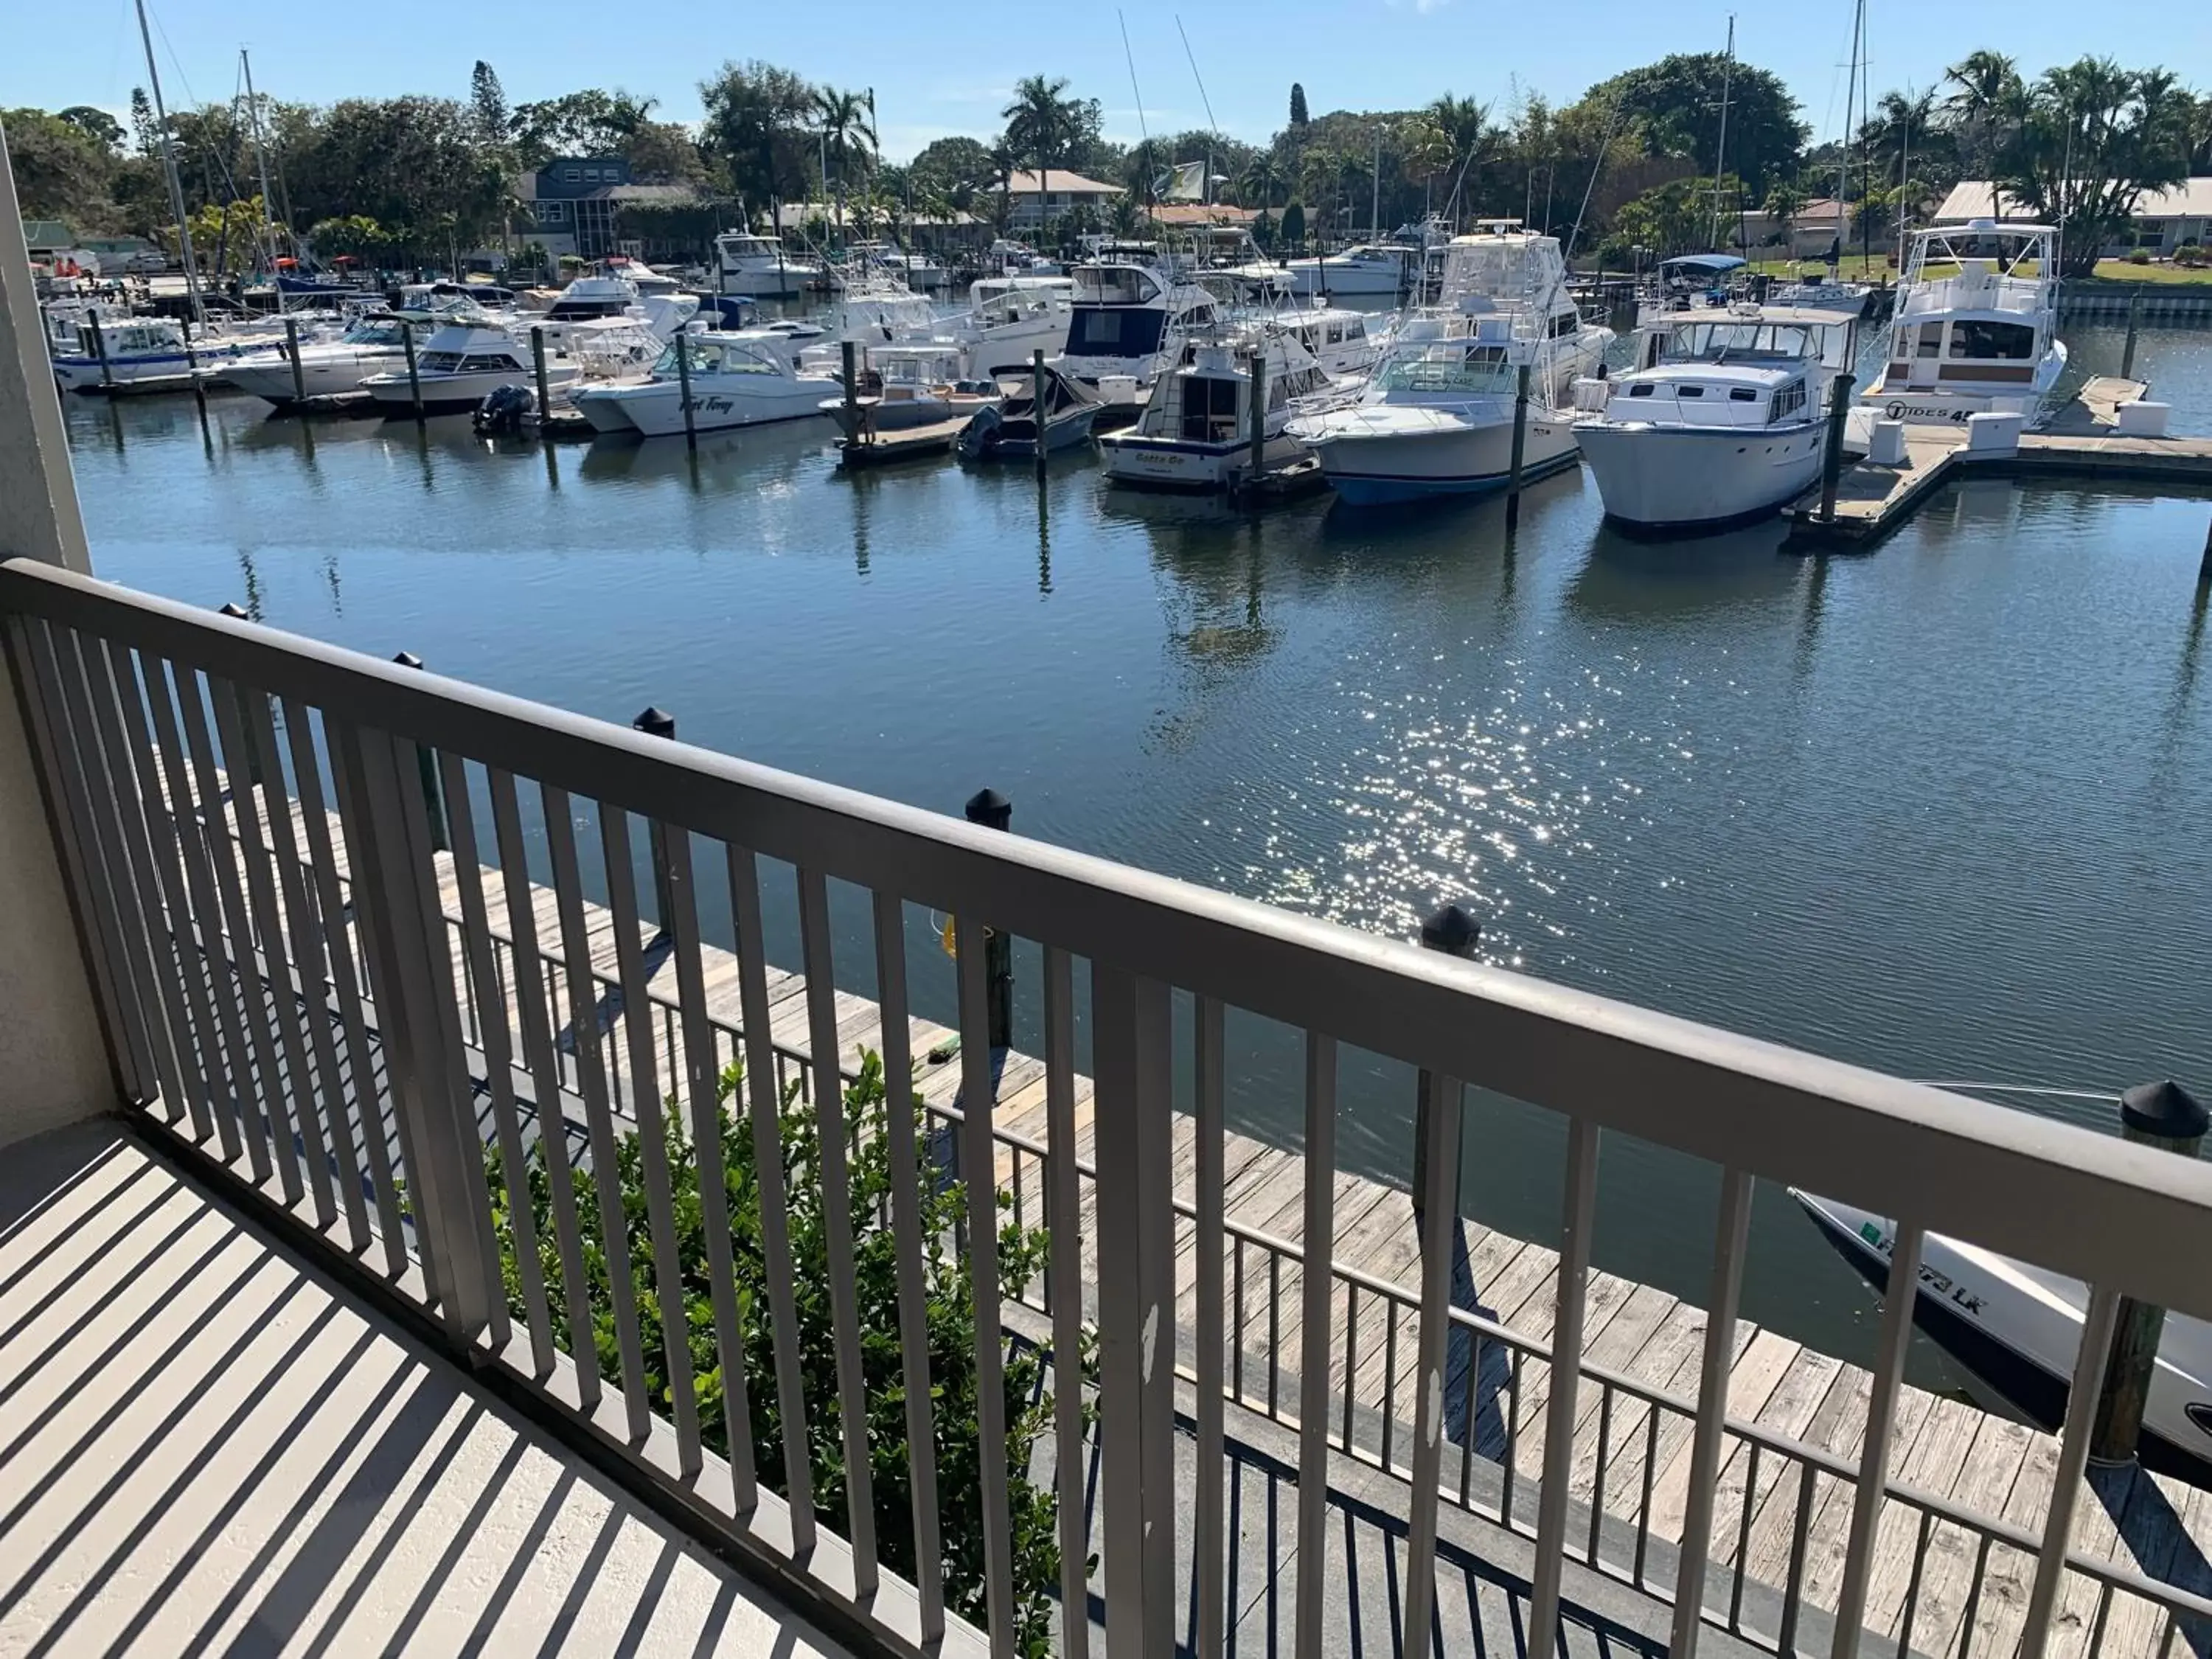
748 457
1631 576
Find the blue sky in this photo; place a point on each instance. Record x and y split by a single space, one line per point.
947 69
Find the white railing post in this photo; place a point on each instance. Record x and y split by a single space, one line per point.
1712 1411
1134 1134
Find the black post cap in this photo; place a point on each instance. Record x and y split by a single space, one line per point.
235 612
990 809
1452 930
407 660
2164 1109
655 722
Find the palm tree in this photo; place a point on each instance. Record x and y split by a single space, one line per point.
1318 170
1987 105
1260 182
1042 127
1423 152
843 118
1466 128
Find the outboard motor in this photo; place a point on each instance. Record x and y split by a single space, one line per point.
503 411
980 435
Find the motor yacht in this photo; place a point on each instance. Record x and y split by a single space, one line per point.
462 363
760 266
1975 330
1196 429
1723 419
1436 417
131 355
1370 269
374 344
746 378
1131 315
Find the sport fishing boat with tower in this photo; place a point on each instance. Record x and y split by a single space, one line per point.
1436 417
1133 311
1975 331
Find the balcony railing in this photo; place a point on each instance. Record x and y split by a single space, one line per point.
251 825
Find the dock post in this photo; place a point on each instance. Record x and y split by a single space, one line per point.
414 376
192 367
2135 322
850 350
1832 463
2167 1116
1455 933
537 365
657 722
1520 449
237 612
1257 421
684 391
992 811
292 351
100 349
2204 569
425 762
1037 403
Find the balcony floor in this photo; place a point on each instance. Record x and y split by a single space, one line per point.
209 1447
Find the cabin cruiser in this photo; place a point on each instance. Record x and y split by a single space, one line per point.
1723 419
1227 260
1009 429
1437 415
1345 342
134 355
874 305
428 302
462 363
917 271
374 343
1131 313
1009 318
748 378
758 265
1981 338
1691 280
1371 268
2015 1329
1011 258
902 387
1196 429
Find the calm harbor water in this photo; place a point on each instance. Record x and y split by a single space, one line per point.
1940 808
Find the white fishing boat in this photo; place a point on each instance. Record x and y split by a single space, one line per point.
1348 344
1723 419
1132 314
462 364
1012 258
750 377
2015 1329
329 368
134 355
903 386
1196 429
1370 269
1008 319
760 266
1436 417
1975 330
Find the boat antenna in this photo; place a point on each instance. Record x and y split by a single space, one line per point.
169 167
1720 149
1612 131
1205 191
1143 133
260 155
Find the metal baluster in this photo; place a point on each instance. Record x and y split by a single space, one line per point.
68 817
1210 1185
837 1237
1351 1349
1729 1241
1912 1592
899 1113
1320 1240
292 1096
532 987
1598 1471
1580 1199
1470 1408
1973 1596
360 1058
1132 1029
1274 1331
1743 1539
1237 1352
2073 1456
2096 1626
499 1063
980 1172
1389 1380
1643 1509
598 1113
1065 1278
764 1101
1881 1421
1512 1437
1793 1596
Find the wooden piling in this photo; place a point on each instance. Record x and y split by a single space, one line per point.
657 722
192 367
1520 448
292 351
992 811
2167 1116
1256 419
2135 322
1832 463
684 391
1455 934
426 762
100 349
1037 403
538 365
414 375
237 612
850 351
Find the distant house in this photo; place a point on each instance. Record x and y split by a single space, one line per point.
576 205
1185 214
2165 220
46 238
1035 200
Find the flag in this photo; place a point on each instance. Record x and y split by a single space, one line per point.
1186 182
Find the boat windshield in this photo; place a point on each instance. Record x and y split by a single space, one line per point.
1740 340
380 331
1449 366
1116 285
710 357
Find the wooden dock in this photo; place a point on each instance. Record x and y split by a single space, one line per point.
911 443
1949 1581
2080 440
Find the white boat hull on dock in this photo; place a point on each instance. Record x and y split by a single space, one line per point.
1675 477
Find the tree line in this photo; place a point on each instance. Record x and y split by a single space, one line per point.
1636 162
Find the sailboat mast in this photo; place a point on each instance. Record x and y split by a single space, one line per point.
1720 149
260 153
1375 197
169 167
